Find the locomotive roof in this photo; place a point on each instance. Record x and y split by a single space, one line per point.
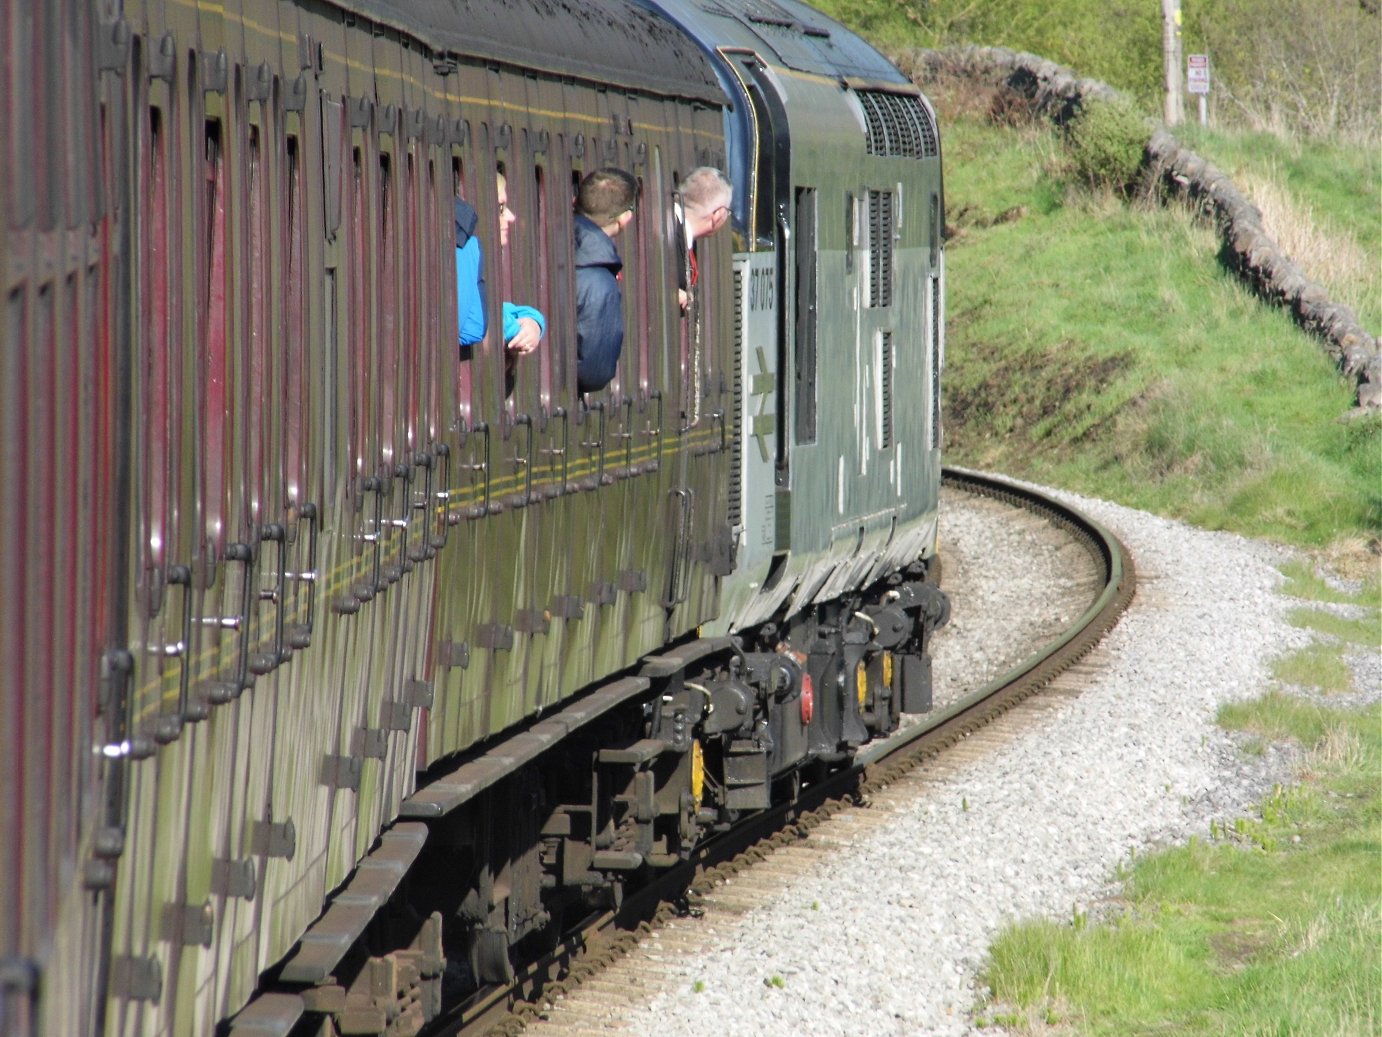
614 42
799 36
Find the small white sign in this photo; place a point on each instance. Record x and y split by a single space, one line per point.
1197 73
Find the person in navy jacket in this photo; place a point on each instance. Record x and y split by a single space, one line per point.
605 203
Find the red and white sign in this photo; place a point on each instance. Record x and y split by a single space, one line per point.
1197 73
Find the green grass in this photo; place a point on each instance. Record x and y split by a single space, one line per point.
1302 581
1317 666
1103 347
1359 631
1270 927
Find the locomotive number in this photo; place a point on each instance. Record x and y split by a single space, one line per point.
761 289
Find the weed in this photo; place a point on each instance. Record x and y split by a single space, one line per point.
1105 143
1315 666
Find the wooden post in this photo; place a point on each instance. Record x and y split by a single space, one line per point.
1175 100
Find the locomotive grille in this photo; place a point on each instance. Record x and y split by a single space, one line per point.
886 385
880 248
896 124
736 439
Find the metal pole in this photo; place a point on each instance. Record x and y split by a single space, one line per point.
1174 112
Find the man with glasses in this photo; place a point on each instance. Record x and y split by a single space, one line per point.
702 208
605 204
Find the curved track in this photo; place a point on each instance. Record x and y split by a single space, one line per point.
602 939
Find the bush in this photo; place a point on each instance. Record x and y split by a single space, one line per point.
1106 142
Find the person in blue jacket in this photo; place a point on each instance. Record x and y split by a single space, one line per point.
605 204
470 275
524 326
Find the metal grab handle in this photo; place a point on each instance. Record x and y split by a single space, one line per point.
598 442
402 475
423 459
299 635
627 435
656 397
169 725
366 591
526 421
487 468
654 432
260 663
563 451
679 583
441 500
244 554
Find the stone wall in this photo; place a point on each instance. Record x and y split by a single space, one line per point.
1053 92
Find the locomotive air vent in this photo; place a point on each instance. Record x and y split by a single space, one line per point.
898 125
736 439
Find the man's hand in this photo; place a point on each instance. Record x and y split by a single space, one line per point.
683 297
527 338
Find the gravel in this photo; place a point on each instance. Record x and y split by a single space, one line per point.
871 945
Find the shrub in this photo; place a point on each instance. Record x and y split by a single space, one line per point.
1105 142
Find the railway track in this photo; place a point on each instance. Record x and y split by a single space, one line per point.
590 974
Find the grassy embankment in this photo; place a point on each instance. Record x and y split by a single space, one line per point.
1099 345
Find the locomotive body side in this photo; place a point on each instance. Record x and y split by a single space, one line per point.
839 182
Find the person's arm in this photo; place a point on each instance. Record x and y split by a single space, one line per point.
524 327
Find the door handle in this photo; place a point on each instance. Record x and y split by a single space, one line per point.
260 663
299 635
522 500
169 725
424 550
441 500
562 451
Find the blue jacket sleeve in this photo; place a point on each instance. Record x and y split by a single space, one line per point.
470 292
513 313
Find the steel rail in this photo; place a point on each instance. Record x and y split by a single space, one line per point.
600 939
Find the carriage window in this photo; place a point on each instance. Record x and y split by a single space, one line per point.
296 418
464 373
637 332
160 396
214 373
546 355
386 360
254 393
357 299
430 236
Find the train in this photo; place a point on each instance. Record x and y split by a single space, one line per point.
348 665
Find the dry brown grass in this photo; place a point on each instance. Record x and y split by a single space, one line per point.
1325 254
